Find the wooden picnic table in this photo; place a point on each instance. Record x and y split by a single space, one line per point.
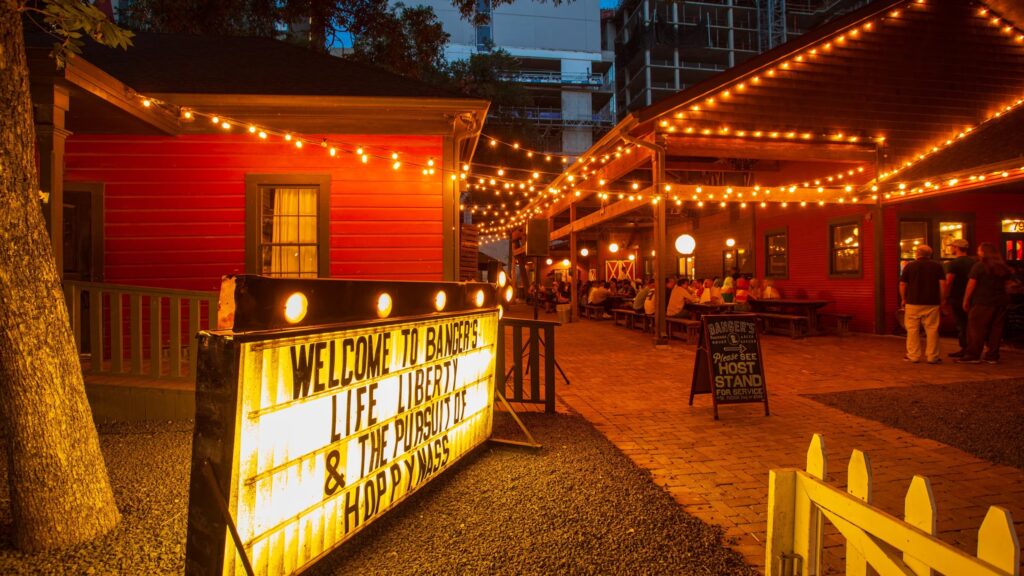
697 309
808 308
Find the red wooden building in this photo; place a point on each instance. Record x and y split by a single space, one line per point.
186 158
176 162
819 163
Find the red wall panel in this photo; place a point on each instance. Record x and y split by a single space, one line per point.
175 206
808 236
987 208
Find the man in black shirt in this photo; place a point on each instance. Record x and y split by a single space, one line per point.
957 271
921 288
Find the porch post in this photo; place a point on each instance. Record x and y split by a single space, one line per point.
878 240
50 104
660 246
574 282
450 223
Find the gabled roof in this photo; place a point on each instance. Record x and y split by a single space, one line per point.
1000 142
192 64
910 72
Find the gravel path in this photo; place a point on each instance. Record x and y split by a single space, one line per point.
985 419
576 507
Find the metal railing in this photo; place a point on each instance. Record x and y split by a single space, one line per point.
799 501
556 77
554 116
138 331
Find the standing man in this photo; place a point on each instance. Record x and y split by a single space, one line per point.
921 288
957 271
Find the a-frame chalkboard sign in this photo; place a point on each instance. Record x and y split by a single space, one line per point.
728 364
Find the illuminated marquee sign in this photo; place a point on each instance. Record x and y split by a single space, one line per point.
315 431
1013 225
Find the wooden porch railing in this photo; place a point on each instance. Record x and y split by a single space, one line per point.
137 331
799 501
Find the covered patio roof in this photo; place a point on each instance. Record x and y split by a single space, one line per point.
843 114
836 116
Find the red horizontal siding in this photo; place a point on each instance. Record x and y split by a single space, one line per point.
174 207
808 237
988 208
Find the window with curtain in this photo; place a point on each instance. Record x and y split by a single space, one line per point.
288 231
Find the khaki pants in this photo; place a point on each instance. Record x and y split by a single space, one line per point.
914 317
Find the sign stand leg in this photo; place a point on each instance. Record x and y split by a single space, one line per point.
532 442
211 481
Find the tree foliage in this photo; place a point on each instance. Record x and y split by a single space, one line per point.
70 22
408 40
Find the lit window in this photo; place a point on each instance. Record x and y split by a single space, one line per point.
776 246
949 231
845 248
287 226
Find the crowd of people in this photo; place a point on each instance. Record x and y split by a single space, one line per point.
679 290
975 292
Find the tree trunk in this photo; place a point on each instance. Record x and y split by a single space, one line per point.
59 489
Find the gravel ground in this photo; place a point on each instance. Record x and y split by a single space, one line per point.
981 418
578 506
149 467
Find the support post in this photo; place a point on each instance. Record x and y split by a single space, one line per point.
451 225
878 250
574 279
660 234
51 104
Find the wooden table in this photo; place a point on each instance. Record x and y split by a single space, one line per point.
697 310
808 308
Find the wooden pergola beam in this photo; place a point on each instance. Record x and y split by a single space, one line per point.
766 149
609 212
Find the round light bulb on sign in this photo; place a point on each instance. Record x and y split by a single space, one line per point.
685 244
550 261
440 299
384 305
508 294
730 242
632 257
584 252
479 298
502 278
295 308
613 247
565 262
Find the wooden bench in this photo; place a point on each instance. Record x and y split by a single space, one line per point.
627 315
842 321
692 328
797 324
593 312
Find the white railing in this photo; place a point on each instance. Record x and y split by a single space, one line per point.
138 331
800 501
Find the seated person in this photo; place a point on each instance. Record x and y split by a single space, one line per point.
600 295
651 301
754 292
641 296
678 299
770 292
728 289
742 290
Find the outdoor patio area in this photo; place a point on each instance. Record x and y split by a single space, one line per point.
637 396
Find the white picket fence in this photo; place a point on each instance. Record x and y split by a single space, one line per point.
800 501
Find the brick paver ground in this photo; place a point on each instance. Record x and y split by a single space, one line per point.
718 471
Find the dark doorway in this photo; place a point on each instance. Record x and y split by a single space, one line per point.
82 238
